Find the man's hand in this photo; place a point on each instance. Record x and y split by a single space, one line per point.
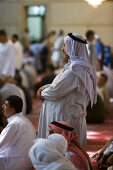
95 154
101 162
39 93
99 156
110 160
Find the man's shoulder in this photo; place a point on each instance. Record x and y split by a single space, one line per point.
20 120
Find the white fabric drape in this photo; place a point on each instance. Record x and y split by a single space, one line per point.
44 155
60 142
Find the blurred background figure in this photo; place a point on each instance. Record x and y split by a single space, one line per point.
8 88
99 48
57 55
49 42
47 79
91 47
28 98
40 52
7 56
101 85
19 51
25 39
107 56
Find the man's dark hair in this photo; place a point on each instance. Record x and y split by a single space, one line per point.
104 75
15 36
15 102
61 32
52 32
2 32
89 33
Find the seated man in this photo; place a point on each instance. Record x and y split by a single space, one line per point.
104 156
75 152
45 155
101 83
16 138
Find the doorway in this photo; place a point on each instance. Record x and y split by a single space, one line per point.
35 22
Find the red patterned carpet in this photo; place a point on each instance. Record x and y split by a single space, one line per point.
97 134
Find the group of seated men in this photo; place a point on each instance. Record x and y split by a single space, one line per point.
61 150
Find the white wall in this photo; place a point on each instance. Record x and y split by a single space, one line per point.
69 15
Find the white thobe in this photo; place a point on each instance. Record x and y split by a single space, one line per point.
66 99
109 150
19 54
15 141
7 59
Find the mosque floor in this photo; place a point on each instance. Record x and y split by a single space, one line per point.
97 134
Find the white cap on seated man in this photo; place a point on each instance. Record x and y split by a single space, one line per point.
16 138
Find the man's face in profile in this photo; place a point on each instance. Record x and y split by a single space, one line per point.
64 51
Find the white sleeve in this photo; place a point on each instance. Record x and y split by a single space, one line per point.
61 88
109 149
8 136
47 85
10 63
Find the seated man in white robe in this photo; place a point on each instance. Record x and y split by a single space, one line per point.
16 138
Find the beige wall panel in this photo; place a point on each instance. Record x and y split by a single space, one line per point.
81 13
8 12
69 15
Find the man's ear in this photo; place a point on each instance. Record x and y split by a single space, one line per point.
13 110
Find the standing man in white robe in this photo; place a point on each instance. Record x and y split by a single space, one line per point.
66 99
7 56
19 51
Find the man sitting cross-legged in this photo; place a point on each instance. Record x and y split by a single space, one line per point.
16 138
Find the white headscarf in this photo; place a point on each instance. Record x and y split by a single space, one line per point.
45 156
60 142
81 65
